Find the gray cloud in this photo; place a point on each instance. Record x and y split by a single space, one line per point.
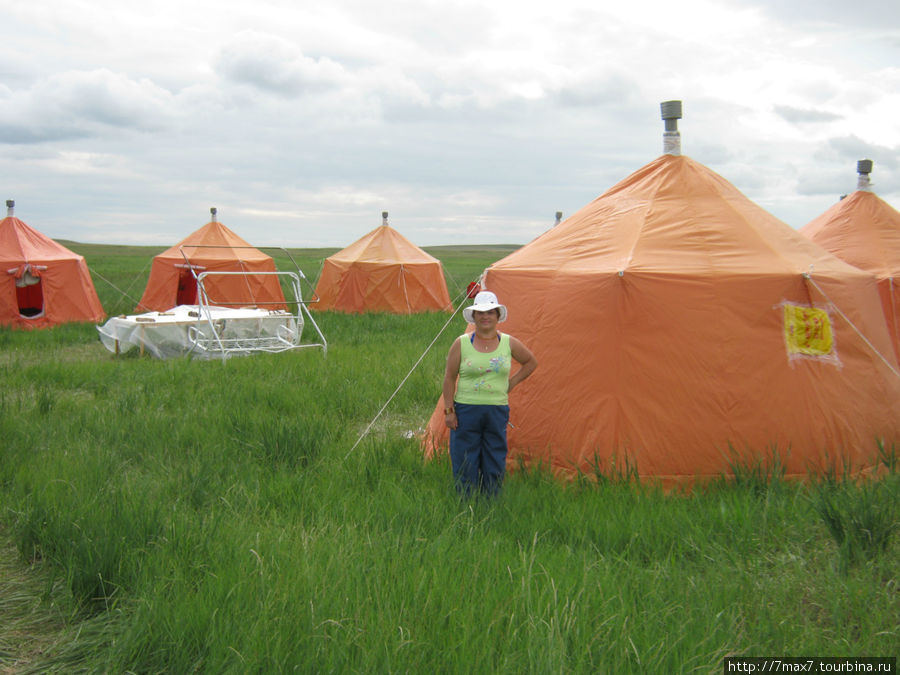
852 148
275 65
826 181
80 104
876 14
804 115
833 171
601 89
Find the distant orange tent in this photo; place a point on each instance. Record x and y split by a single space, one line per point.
680 325
382 272
45 283
864 230
212 248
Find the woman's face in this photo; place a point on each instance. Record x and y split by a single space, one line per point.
486 319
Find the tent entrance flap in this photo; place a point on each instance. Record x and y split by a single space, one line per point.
29 295
187 288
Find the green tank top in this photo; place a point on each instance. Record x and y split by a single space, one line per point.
483 376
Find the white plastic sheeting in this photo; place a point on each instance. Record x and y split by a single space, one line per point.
203 332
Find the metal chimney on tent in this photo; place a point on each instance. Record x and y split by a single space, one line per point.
10 207
671 113
384 218
212 212
558 218
864 168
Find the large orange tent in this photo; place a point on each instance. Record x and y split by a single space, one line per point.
382 272
864 230
45 283
680 325
213 248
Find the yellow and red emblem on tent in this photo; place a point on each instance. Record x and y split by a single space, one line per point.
212 248
45 283
667 317
864 230
808 332
382 272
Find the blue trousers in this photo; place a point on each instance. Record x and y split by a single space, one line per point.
478 448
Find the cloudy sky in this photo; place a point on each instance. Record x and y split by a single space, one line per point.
469 121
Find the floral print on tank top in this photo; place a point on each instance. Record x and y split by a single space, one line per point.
495 365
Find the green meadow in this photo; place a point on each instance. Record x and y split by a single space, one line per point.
199 516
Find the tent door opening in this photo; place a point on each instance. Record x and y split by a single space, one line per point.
187 288
29 295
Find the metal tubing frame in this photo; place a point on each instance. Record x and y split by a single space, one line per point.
302 311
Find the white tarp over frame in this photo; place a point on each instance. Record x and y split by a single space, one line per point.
202 332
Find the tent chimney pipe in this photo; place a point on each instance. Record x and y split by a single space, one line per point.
384 218
558 218
10 207
864 168
671 113
212 212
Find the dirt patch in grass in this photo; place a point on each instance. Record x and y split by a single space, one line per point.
30 620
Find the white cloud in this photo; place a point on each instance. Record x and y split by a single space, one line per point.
76 104
276 65
84 163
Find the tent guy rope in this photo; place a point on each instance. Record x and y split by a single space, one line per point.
809 278
123 293
365 433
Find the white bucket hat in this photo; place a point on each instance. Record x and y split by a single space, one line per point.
484 302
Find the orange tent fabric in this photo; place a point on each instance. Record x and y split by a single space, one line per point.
45 283
382 272
864 230
212 248
674 324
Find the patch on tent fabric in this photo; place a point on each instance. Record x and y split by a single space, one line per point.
808 333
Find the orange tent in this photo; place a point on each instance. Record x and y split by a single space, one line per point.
46 283
864 230
382 272
212 248
679 324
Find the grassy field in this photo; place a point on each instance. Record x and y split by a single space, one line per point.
187 516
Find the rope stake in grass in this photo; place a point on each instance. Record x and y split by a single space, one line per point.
462 298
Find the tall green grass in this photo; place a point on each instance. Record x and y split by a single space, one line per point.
182 516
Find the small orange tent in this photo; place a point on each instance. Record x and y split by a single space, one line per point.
382 272
678 323
212 248
864 230
45 283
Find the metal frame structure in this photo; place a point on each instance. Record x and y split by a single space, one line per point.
213 340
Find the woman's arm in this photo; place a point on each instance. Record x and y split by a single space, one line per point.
450 375
526 360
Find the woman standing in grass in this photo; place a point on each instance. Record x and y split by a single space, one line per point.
477 383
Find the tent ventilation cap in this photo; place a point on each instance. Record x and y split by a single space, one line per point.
10 207
671 113
384 218
212 212
864 168
558 218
